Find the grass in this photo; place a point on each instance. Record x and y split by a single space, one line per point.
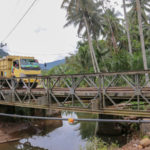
97 144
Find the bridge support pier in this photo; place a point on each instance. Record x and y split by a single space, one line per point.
49 112
112 129
145 128
43 100
95 104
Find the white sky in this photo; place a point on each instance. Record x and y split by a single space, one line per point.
41 33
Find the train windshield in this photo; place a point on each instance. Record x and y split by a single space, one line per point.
29 64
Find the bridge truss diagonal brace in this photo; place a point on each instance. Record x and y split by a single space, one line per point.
13 87
49 90
145 98
91 82
110 99
129 82
130 99
28 88
72 89
1 90
75 84
98 96
105 88
2 94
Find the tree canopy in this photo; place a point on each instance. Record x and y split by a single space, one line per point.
104 43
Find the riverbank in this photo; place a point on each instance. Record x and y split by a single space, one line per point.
7 131
16 130
140 138
137 144
43 134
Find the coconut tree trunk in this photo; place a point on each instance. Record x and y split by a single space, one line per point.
142 38
127 27
94 60
105 67
113 39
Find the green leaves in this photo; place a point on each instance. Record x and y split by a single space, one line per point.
108 37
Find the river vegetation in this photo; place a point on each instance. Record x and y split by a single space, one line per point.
110 41
98 144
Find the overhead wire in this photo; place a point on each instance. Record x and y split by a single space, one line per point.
19 9
12 30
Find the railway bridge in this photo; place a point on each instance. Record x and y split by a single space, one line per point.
118 93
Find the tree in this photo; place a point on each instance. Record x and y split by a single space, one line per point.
142 38
127 27
112 28
79 12
133 14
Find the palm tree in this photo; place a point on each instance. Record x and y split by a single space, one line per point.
79 13
112 28
83 53
145 7
146 31
127 27
142 38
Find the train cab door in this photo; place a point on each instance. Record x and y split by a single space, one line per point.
16 68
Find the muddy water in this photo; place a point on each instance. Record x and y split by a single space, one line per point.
62 136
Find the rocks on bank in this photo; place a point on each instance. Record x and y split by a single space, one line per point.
137 144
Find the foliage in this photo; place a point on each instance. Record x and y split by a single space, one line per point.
109 38
97 144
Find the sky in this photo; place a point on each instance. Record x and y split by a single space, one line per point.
41 33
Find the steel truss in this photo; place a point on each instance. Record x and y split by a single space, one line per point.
119 91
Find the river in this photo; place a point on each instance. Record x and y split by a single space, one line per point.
62 136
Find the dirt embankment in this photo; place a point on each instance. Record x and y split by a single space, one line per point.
8 129
13 131
136 144
140 138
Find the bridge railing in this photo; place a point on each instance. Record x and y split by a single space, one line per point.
123 90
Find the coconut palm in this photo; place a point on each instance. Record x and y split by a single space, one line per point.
142 38
112 28
145 7
127 27
82 13
146 31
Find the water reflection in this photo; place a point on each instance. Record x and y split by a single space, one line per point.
57 135
63 138
87 129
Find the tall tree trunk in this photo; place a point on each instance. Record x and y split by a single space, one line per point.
113 39
142 38
94 60
127 27
105 67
